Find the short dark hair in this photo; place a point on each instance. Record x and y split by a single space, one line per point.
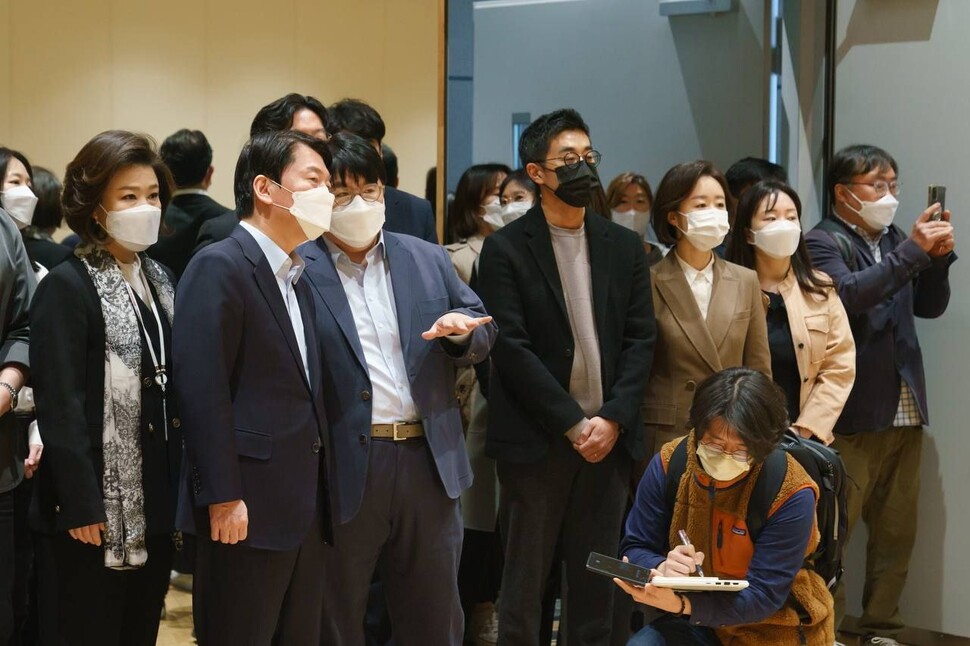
390 164
188 155
353 156
519 176
89 173
858 159
48 214
278 115
269 153
6 154
620 183
675 187
356 116
537 137
749 171
741 252
463 219
749 402
431 186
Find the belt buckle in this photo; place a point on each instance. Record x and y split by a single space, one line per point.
394 430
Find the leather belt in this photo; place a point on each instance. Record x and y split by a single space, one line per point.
398 431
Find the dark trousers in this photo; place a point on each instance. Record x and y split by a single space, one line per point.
7 565
411 531
93 605
245 595
560 498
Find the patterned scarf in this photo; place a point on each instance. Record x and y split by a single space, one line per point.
124 497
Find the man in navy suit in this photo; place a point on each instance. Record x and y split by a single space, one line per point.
885 279
405 213
393 321
245 350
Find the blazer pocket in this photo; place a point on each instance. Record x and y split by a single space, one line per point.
659 414
254 444
431 310
818 334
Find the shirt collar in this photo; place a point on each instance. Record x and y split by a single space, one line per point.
340 257
868 237
284 266
707 273
189 191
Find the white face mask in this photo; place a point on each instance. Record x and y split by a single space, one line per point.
135 229
878 214
720 466
311 208
778 239
20 202
633 220
357 224
706 228
505 214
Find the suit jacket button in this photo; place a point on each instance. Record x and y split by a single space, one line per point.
146 382
176 422
315 447
57 509
569 352
151 427
365 395
801 345
362 439
690 385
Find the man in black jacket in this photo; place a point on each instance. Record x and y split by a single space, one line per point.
570 292
188 155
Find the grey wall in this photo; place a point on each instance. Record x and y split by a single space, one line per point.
904 84
655 91
459 90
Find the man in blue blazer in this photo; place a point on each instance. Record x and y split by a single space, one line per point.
393 321
885 279
404 213
246 362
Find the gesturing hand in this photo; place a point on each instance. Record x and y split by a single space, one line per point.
597 439
454 323
89 534
229 522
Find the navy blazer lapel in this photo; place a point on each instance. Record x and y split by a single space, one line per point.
322 274
304 296
599 240
270 289
402 269
540 244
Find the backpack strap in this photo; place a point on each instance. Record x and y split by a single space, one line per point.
675 470
842 241
766 489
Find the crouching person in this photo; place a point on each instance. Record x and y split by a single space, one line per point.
738 416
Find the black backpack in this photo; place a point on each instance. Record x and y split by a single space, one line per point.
823 465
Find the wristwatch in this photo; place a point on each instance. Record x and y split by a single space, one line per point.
14 394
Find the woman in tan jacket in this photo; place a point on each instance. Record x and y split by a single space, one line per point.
812 350
709 311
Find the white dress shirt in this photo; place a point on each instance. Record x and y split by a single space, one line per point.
287 268
701 283
371 297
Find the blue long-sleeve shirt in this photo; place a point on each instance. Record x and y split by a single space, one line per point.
779 553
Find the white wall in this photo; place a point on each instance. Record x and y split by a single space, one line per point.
904 84
655 91
70 69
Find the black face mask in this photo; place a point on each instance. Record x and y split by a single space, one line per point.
576 184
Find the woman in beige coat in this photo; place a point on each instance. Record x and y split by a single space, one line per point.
812 350
709 311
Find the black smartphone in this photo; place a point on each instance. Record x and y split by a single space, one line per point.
937 193
611 567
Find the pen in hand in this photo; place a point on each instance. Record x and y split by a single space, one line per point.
685 540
